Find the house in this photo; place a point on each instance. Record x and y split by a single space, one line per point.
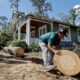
29 28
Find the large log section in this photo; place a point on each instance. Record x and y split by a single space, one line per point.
17 51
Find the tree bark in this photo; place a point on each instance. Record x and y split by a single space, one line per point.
17 51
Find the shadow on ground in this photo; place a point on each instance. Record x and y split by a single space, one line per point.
16 60
13 60
58 74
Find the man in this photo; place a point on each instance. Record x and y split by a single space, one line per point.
49 44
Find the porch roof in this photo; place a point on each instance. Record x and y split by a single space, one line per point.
37 22
34 23
54 20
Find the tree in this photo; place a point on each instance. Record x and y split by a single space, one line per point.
71 18
64 18
3 19
4 38
41 7
14 4
3 22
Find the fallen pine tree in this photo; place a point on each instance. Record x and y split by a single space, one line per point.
17 51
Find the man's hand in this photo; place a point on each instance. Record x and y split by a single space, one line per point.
57 47
58 52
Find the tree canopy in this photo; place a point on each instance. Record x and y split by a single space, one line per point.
14 4
71 18
3 19
41 7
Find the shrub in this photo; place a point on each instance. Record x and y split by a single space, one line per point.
34 47
4 38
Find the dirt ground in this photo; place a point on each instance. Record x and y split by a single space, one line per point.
28 68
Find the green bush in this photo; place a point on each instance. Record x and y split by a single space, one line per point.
4 38
34 47
30 48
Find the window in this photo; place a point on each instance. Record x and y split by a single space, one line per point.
33 34
78 33
49 28
23 36
42 30
68 38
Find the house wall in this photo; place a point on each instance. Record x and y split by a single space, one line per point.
37 32
55 26
48 27
73 31
74 37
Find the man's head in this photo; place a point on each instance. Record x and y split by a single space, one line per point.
63 33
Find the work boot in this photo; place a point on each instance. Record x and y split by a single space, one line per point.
50 67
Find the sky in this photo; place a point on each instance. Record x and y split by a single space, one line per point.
59 6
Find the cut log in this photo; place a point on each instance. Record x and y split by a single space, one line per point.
5 49
17 51
68 62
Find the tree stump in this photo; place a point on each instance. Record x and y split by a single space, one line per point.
68 62
17 51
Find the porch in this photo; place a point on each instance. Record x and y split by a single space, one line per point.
30 29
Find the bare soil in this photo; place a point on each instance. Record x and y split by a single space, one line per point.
28 68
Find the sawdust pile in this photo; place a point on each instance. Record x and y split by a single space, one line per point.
29 68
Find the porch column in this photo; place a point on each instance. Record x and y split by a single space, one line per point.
14 35
28 31
13 24
19 33
51 27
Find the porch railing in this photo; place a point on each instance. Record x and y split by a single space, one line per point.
34 40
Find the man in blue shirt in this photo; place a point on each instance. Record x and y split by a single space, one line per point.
49 44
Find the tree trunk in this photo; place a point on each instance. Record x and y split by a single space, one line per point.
17 51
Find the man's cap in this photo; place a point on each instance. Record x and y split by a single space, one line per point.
64 31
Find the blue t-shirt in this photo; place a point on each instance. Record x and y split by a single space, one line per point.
51 37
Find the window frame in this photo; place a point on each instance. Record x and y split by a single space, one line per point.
69 35
41 28
33 33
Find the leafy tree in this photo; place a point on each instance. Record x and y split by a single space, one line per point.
3 22
3 19
4 38
41 7
71 18
6 27
64 18
14 4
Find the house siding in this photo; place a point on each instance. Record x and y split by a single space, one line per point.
73 31
66 45
74 37
37 32
55 26
48 28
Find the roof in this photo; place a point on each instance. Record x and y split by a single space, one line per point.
50 20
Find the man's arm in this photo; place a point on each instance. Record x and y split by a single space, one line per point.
57 47
53 49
